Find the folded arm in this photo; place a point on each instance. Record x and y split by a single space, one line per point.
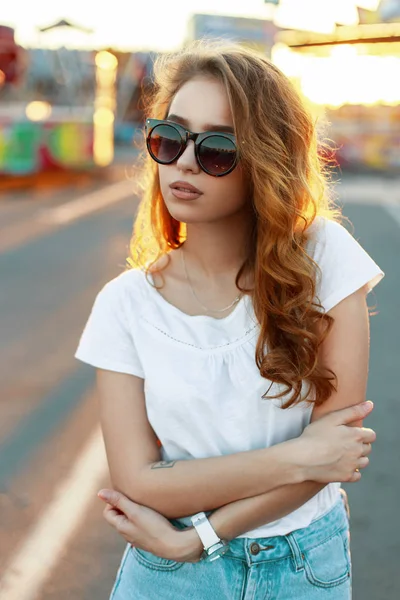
244 515
182 488
346 352
179 488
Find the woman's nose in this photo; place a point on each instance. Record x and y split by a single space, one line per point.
187 161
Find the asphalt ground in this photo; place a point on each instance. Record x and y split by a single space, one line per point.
60 242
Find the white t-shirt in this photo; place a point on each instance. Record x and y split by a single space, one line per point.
202 386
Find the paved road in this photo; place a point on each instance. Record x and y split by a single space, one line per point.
54 258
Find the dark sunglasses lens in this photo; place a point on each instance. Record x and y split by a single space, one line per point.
165 143
217 154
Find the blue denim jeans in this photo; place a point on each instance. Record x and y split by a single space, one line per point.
305 564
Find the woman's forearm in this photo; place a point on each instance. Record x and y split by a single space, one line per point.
325 451
182 488
241 516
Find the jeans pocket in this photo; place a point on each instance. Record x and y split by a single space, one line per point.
124 558
328 564
152 561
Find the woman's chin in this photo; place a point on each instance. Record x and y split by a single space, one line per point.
186 213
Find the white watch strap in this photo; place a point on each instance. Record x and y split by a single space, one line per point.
205 530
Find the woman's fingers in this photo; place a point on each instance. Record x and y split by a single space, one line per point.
363 462
110 514
348 415
355 477
119 501
115 518
367 436
366 449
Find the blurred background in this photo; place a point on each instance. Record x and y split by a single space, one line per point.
71 83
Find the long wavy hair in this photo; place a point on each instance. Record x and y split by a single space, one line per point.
288 179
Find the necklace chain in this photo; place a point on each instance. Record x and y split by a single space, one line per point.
218 310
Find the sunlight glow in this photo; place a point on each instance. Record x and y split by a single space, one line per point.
344 13
103 118
305 15
348 74
368 4
160 25
105 60
344 77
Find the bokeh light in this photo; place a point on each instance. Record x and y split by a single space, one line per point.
38 110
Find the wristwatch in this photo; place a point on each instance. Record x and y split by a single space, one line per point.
214 547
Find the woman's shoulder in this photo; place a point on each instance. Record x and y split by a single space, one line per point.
344 265
127 287
323 227
135 285
325 233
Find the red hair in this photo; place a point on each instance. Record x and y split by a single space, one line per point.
287 180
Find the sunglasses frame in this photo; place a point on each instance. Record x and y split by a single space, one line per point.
185 136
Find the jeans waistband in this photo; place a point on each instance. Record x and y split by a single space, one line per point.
293 544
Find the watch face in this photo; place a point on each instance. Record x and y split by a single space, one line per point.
217 553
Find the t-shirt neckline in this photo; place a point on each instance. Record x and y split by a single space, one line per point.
174 309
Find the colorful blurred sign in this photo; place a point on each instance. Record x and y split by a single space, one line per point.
257 33
367 136
28 147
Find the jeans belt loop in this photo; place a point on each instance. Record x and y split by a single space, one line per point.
298 556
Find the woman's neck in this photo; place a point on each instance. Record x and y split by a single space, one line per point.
221 247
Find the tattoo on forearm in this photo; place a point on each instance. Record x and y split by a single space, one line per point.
163 464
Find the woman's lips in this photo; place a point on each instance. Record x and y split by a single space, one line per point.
185 186
185 194
184 190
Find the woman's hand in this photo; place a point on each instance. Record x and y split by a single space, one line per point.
330 450
148 530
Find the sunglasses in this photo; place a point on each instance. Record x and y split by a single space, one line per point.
216 153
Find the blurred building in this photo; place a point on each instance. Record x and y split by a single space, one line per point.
352 80
48 100
256 33
351 77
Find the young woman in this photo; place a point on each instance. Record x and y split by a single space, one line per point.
232 354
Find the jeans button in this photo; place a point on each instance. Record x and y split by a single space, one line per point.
254 548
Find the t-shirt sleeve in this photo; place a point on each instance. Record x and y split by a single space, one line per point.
345 265
107 339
